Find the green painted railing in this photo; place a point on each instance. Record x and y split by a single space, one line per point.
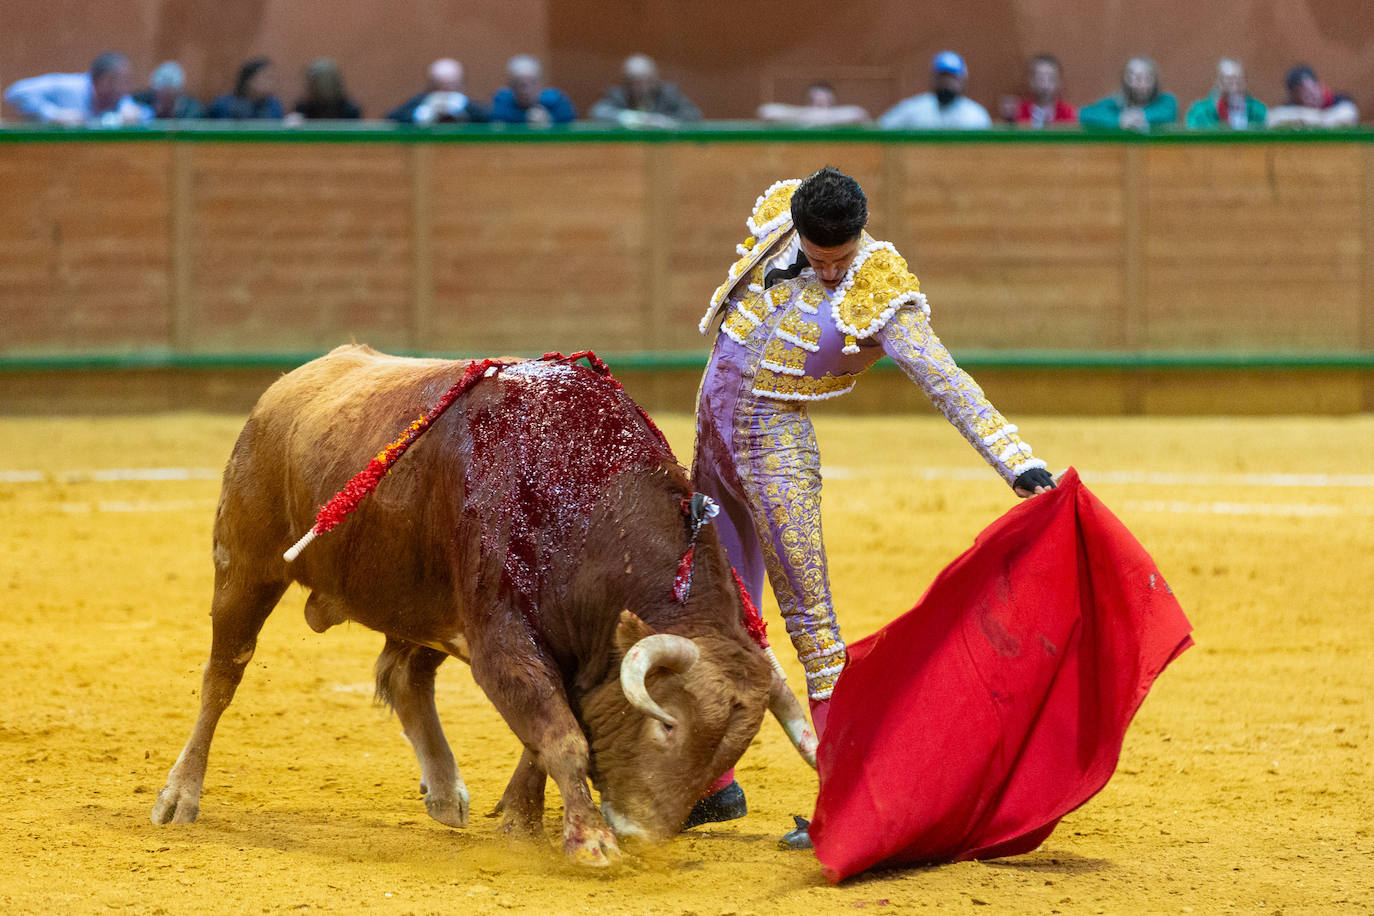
589 132
674 360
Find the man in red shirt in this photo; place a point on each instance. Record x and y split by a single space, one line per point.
1043 106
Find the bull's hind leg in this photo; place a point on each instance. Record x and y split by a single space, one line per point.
528 693
237 614
405 681
522 806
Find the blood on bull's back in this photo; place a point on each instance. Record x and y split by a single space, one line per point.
542 446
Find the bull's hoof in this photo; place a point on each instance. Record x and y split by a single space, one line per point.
594 847
451 810
522 817
176 805
519 827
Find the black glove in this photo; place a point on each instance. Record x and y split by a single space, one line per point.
1035 477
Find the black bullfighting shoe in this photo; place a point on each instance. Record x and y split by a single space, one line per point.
799 837
726 805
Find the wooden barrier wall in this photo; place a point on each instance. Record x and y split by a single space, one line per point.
197 246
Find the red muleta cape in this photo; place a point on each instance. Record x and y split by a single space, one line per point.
967 727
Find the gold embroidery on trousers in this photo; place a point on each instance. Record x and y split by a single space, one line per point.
781 471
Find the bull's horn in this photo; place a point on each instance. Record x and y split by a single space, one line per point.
661 650
784 706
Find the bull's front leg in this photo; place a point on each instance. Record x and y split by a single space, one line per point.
529 695
587 840
238 613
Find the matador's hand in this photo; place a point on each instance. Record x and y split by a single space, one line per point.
1032 482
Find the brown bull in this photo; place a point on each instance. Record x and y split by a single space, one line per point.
534 532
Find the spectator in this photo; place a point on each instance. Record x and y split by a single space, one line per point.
1229 105
1043 107
526 100
100 96
944 106
1140 105
166 94
325 98
1311 104
254 96
644 100
821 109
442 101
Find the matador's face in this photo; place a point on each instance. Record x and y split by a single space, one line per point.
830 264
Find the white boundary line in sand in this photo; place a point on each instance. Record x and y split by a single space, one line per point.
79 507
110 475
1203 479
1278 510
1143 478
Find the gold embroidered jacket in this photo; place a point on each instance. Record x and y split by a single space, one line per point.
799 341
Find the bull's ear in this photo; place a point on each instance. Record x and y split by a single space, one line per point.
630 630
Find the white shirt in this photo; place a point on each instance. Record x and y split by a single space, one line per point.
784 259
924 112
49 97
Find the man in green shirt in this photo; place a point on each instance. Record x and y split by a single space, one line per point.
1229 105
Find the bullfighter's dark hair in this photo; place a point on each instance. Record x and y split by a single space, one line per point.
829 208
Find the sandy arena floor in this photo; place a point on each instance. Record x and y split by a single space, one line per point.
1246 784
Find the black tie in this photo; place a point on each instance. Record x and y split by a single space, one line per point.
777 274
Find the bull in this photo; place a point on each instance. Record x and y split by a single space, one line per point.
535 532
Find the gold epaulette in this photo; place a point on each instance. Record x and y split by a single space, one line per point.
878 283
770 220
773 208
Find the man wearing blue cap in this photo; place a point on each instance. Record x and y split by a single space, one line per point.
945 106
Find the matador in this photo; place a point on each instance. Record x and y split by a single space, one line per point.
809 305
